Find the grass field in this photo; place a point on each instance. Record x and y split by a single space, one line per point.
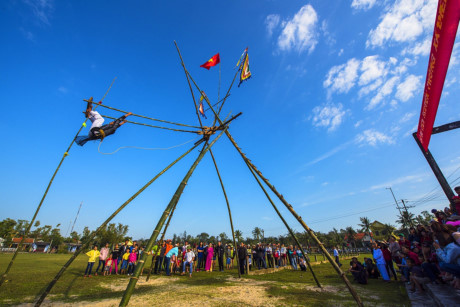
32 272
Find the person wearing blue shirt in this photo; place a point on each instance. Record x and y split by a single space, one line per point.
174 251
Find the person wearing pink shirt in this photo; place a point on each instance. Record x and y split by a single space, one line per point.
102 258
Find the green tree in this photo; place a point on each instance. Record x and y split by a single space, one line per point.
351 235
388 228
257 233
7 230
365 226
239 235
223 237
203 237
406 219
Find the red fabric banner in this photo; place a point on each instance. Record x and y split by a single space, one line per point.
445 30
211 62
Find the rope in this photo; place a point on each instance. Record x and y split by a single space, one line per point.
142 116
144 148
142 124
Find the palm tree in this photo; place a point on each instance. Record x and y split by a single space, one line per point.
406 219
365 225
239 235
338 239
257 233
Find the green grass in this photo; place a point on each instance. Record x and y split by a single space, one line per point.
32 272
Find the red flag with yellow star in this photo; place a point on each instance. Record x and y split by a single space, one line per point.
211 62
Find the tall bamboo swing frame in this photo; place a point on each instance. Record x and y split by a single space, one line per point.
168 212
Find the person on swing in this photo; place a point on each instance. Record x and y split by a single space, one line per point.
97 131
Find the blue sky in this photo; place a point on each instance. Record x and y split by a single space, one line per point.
327 116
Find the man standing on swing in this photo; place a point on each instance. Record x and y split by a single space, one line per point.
97 131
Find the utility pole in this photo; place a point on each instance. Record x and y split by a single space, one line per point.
396 202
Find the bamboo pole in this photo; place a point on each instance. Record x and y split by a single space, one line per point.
285 224
94 233
190 86
153 126
229 211
154 257
174 200
291 209
66 153
146 117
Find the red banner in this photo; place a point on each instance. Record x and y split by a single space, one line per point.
445 30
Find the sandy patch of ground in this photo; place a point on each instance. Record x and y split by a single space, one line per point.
244 292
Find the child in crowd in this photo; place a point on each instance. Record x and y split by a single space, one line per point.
124 264
92 254
108 265
132 261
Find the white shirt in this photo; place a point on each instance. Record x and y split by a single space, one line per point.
96 119
283 250
189 256
336 252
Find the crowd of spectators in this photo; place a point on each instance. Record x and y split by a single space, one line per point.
429 254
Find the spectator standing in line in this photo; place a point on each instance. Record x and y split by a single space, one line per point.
209 258
200 252
104 253
242 257
115 260
269 252
220 252
92 254
336 256
380 261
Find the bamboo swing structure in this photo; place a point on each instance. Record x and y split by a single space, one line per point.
168 212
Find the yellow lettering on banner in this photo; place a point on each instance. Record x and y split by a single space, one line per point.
430 71
436 41
441 11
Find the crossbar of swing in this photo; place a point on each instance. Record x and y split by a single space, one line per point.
141 116
94 233
153 126
290 208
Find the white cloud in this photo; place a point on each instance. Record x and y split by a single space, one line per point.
299 33
373 137
371 69
340 52
384 91
397 181
362 4
407 117
358 123
406 90
329 153
329 116
328 37
63 90
420 48
403 21
342 78
271 22
42 9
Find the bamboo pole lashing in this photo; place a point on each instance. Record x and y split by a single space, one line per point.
153 126
291 209
94 233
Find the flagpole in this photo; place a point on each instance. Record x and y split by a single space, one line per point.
218 91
